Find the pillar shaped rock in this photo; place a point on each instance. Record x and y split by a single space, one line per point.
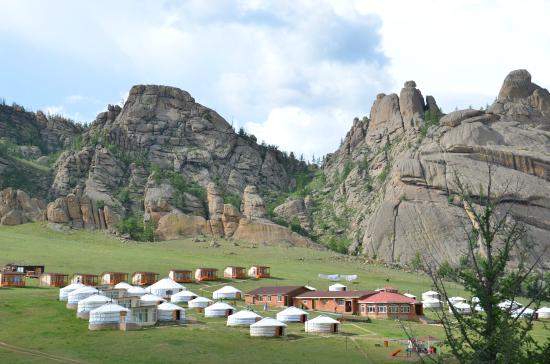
411 105
253 205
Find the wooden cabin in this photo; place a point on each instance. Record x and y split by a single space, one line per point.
234 272
181 275
112 278
390 305
12 279
206 274
31 271
345 302
259 271
144 278
86 279
53 279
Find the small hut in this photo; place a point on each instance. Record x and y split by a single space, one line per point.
90 303
432 303
227 293
53 279
181 275
206 274
165 288
31 271
78 295
199 303
136 291
219 309
168 312
292 314
323 324
431 295
64 292
233 272
268 327
123 285
461 307
12 279
151 298
85 278
183 297
259 271
107 316
337 287
144 278
113 278
243 318
543 313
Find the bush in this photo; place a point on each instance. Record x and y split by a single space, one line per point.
123 195
180 184
133 225
232 199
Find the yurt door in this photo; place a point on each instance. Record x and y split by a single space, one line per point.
334 327
279 331
176 315
302 318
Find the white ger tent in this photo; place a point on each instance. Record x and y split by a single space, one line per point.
462 308
123 285
136 291
337 287
431 303
219 309
105 316
183 296
292 314
64 292
199 302
243 318
268 327
79 294
322 324
165 287
543 313
148 298
168 312
227 293
90 303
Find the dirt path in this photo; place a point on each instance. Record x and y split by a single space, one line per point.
36 353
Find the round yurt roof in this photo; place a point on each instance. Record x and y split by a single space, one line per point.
200 299
245 314
268 322
96 298
167 306
457 299
123 285
84 289
475 299
136 290
430 293
73 287
110 307
431 300
220 306
150 298
507 303
543 310
166 283
227 289
293 311
339 285
461 305
185 294
410 295
323 320
311 288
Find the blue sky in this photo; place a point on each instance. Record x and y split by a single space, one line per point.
294 73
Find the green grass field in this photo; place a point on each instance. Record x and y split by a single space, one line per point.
35 327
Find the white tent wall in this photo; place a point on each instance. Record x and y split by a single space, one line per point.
75 296
64 292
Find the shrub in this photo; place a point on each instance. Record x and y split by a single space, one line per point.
232 199
134 226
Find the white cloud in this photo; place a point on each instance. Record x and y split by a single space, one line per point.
53 110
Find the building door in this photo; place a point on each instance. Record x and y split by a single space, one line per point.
418 310
313 304
348 306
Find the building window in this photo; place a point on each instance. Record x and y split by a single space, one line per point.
280 298
269 298
382 309
324 301
341 302
372 308
363 308
260 297
394 309
304 302
405 309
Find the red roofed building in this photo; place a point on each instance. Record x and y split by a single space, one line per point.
346 302
275 296
390 305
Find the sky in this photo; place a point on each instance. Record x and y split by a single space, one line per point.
293 73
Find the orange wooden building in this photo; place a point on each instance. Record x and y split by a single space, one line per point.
390 305
181 275
259 271
112 278
12 279
144 278
234 272
206 274
53 279
274 296
31 271
345 302
85 278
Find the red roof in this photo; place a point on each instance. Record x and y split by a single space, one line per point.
335 294
387 297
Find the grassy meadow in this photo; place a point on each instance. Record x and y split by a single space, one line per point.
36 327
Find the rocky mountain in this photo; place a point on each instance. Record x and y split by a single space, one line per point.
389 190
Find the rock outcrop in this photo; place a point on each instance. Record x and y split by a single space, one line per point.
253 205
16 207
294 209
390 188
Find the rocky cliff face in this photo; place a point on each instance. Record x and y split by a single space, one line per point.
390 187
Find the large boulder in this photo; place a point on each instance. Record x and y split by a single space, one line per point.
230 219
456 117
57 211
176 225
266 232
253 205
411 105
294 209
